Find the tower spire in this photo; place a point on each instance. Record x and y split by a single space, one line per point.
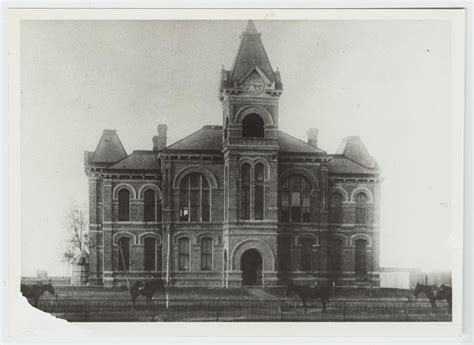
250 29
251 56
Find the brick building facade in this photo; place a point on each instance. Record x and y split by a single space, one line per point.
242 203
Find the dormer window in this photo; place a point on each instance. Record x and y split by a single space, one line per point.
253 127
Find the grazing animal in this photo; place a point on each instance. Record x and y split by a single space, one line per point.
445 292
35 291
433 292
307 293
147 289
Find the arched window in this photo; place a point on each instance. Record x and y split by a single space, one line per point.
194 198
306 254
361 209
206 254
336 208
152 206
259 190
245 197
253 126
124 254
152 254
295 200
360 257
124 205
183 254
335 255
284 256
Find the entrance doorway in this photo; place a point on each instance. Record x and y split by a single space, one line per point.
251 265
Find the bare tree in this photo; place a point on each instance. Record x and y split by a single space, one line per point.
77 242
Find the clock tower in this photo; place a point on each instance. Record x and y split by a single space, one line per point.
249 93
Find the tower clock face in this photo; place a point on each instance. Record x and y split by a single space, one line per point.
253 85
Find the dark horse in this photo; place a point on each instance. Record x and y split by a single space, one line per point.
147 289
307 293
35 291
433 292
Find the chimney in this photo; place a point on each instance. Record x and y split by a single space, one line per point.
313 137
159 141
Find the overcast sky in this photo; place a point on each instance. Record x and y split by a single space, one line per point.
387 81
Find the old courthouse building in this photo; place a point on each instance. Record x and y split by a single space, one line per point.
239 203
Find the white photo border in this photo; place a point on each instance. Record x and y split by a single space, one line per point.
11 127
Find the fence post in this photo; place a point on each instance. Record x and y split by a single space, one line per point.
242 300
406 311
152 310
281 309
344 310
217 308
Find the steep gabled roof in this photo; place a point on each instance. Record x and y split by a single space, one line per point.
251 54
109 149
291 144
138 160
208 138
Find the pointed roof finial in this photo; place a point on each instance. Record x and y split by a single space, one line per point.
250 28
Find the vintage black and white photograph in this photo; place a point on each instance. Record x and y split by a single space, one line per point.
240 170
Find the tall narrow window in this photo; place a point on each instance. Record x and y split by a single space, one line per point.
194 198
360 257
195 191
335 255
306 254
150 205
259 190
124 254
159 210
295 213
284 256
184 200
150 254
123 205
361 209
183 254
336 208
295 200
206 254
245 197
